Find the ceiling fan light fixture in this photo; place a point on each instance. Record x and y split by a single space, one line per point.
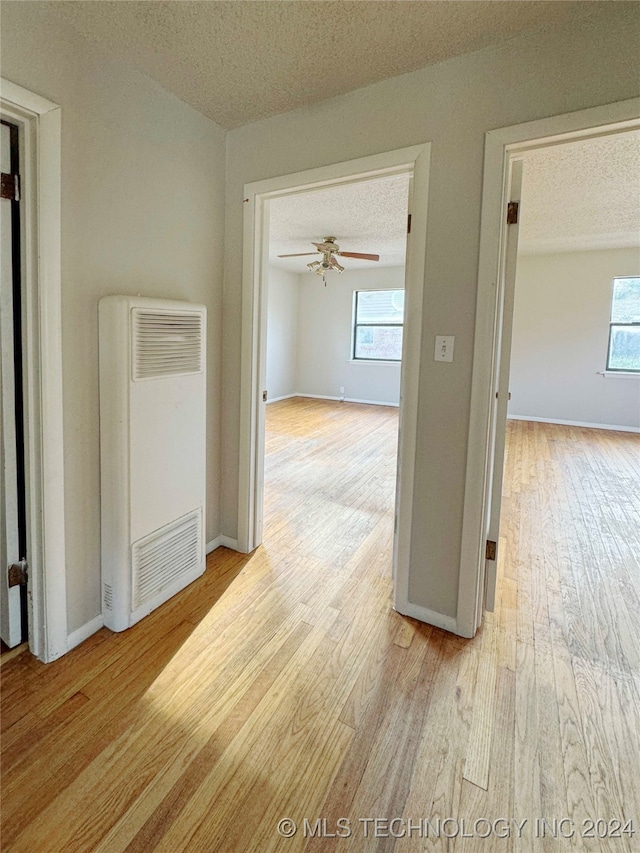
329 249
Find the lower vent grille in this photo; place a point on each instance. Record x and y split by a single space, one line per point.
165 556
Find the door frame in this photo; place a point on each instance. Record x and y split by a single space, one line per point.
501 146
39 121
415 161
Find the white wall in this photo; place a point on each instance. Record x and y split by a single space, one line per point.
142 213
452 104
560 337
282 333
324 345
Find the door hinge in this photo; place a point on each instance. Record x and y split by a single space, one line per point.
11 187
264 396
512 212
490 551
18 573
409 224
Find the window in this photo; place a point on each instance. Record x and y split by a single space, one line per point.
377 327
624 328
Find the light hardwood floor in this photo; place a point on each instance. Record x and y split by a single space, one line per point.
283 685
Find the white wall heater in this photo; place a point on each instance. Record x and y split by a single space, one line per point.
152 452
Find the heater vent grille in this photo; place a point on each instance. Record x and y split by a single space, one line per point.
166 343
107 595
166 556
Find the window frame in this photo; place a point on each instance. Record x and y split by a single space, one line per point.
355 325
636 324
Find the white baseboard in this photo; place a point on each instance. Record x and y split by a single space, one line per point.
222 541
211 546
317 396
430 617
284 397
83 633
347 399
615 427
372 402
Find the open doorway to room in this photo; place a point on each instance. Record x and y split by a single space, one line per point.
569 538
333 368
413 164
13 506
32 508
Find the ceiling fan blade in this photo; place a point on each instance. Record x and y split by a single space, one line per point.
298 255
359 255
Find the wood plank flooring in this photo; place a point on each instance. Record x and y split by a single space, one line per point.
282 684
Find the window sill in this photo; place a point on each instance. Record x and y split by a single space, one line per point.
374 361
621 374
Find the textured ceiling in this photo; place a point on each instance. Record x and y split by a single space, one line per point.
576 196
370 216
582 195
240 61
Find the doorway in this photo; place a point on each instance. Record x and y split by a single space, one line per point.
569 495
335 313
493 329
413 162
13 551
39 145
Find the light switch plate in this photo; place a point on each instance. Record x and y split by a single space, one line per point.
444 348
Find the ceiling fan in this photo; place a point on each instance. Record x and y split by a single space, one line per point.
329 249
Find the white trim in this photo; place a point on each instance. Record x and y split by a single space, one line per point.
431 617
413 161
41 122
376 362
24 99
615 427
409 378
368 402
84 632
338 399
221 542
619 374
343 400
284 397
500 145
